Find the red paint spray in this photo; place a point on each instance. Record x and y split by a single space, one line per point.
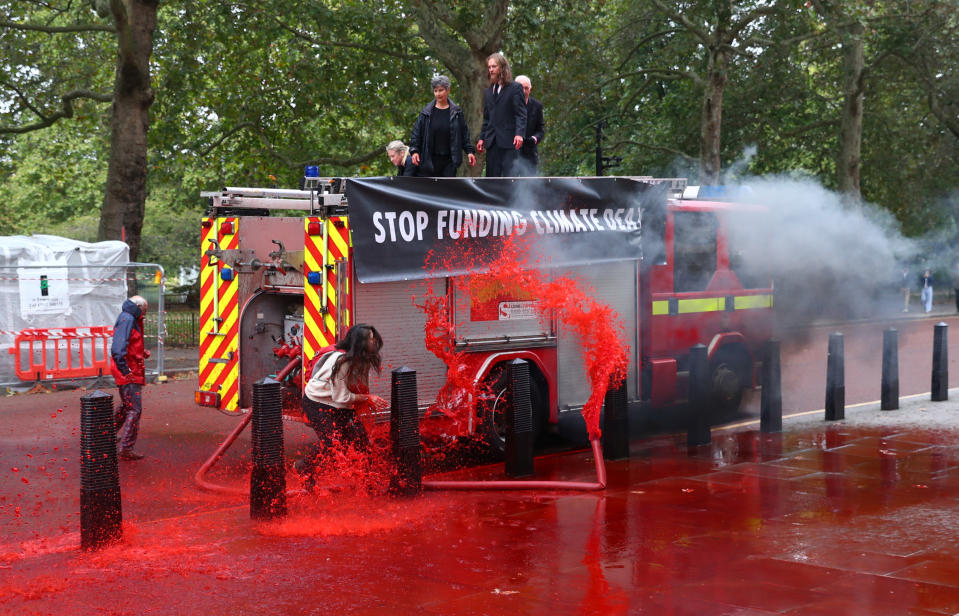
510 265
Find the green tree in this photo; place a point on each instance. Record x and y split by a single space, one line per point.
76 41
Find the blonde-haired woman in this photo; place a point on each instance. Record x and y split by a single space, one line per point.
399 154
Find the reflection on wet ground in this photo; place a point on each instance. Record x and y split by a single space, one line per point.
829 519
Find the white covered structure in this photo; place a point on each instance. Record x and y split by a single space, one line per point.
53 282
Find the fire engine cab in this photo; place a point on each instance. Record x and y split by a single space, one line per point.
284 274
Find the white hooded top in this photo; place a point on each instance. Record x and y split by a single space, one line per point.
331 392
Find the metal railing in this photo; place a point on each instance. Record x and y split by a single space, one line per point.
182 328
57 296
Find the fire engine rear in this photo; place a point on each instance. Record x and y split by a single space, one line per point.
284 273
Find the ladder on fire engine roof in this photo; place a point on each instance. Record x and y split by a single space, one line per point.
310 200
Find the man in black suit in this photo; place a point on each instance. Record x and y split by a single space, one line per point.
535 129
504 119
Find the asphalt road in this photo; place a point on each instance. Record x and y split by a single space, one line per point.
803 361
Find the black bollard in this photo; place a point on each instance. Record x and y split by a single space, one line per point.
101 511
889 394
835 379
698 432
519 422
771 401
940 363
268 477
407 479
615 423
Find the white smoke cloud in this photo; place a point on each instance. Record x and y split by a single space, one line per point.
827 258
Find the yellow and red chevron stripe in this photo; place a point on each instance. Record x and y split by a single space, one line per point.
219 316
320 329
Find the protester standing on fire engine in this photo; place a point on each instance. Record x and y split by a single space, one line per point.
535 130
399 154
925 295
337 389
127 367
440 135
504 118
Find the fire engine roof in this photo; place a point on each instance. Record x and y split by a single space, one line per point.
714 206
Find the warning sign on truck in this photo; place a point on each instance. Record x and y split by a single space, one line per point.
516 311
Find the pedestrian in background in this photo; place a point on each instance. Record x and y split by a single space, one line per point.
925 286
535 130
399 154
955 283
127 355
906 287
504 119
440 135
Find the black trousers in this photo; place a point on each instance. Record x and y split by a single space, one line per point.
526 165
333 427
500 162
443 166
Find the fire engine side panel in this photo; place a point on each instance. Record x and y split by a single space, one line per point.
614 284
263 230
257 308
495 317
326 249
389 306
219 312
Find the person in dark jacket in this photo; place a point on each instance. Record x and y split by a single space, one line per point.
535 130
127 366
440 135
504 119
400 156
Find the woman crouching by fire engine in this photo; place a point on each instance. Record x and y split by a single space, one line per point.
338 388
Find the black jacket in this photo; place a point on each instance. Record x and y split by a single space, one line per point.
504 116
407 168
459 138
534 128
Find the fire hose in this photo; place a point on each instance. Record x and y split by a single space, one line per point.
200 477
600 483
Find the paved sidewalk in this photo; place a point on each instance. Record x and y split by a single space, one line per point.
850 517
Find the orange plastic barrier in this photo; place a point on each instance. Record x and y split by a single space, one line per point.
62 353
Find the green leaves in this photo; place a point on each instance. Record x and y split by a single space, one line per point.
248 90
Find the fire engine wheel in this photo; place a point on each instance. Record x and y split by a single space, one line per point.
728 379
493 408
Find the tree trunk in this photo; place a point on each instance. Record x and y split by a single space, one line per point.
125 193
850 132
710 162
473 79
464 53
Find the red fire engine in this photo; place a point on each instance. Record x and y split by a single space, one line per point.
285 272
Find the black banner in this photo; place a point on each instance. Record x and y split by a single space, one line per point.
397 221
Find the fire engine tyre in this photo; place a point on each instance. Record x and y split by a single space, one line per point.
492 409
728 379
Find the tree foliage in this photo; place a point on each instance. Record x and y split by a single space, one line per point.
247 93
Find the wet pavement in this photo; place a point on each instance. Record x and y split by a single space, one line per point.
849 517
